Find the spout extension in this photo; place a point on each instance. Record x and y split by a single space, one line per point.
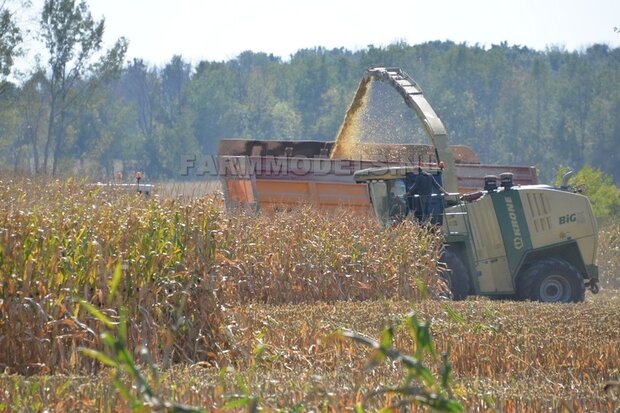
565 178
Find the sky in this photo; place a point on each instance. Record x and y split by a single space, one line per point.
220 30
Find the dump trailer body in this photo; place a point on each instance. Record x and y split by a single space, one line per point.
284 183
274 183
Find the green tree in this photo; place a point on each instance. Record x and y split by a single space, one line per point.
105 129
510 104
11 142
176 115
311 78
144 85
72 38
285 121
175 79
32 105
214 90
10 39
600 189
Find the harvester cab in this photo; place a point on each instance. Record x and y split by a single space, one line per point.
400 192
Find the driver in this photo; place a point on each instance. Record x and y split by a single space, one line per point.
398 208
423 187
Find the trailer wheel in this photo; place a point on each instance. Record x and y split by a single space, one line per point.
551 280
455 273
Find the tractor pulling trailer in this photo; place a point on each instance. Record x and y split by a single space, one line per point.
512 238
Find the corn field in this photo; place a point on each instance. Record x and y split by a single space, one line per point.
205 290
609 256
180 261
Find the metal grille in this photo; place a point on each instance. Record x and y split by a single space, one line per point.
540 211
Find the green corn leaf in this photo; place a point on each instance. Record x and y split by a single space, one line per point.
97 314
97 355
454 315
108 339
446 371
238 402
122 326
116 278
387 338
445 405
425 374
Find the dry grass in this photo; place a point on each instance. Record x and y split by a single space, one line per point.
62 241
609 256
304 256
180 260
189 189
514 356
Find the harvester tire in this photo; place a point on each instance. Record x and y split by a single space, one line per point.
455 273
551 280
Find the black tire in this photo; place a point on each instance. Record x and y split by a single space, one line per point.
455 273
551 280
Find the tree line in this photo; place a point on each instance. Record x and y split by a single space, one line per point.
89 108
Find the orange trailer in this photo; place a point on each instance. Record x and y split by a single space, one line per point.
276 175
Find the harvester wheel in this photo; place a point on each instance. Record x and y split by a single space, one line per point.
454 271
551 280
